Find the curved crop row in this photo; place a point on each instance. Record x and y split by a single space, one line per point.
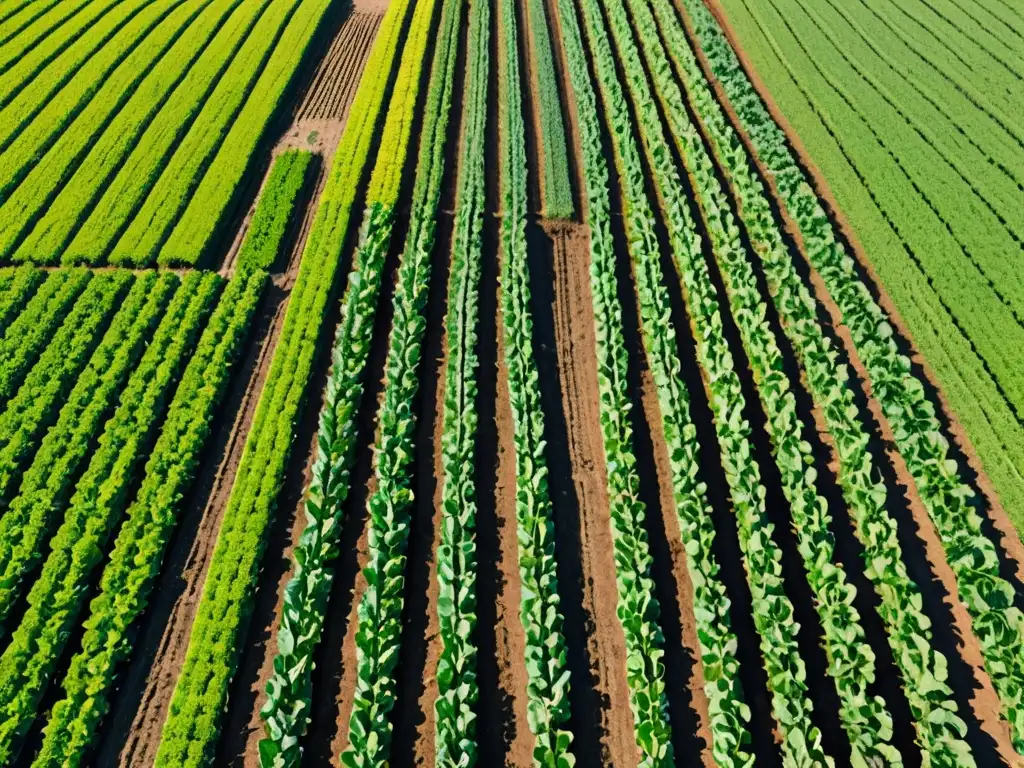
30 332
45 388
193 724
989 598
52 213
21 287
193 232
17 16
49 147
851 660
940 730
92 515
547 688
378 634
454 719
149 522
772 609
728 712
273 213
286 712
34 511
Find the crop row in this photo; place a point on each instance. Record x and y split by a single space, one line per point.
209 203
149 522
988 597
46 149
20 286
59 188
190 732
286 712
30 332
851 660
379 630
547 688
711 604
940 730
45 387
454 716
142 202
772 609
273 214
92 514
555 185
15 17
186 72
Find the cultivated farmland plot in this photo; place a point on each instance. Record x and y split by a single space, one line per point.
478 382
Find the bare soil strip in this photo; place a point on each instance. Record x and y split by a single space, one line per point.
336 78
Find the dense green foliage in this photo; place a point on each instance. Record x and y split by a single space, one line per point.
455 718
274 210
137 552
21 286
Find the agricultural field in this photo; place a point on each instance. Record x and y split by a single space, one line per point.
481 382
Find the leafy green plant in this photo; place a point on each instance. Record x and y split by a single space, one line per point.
274 211
22 286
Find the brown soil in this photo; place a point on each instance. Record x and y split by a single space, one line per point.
334 84
576 345
1011 540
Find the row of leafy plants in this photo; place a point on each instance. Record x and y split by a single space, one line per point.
138 550
25 29
772 610
286 711
20 284
940 729
379 629
46 151
547 687
193 724
727 710
60 92
454 715
273 213
46 386
556 189
29 333
949 501
851 660
91 516
46 209
141 203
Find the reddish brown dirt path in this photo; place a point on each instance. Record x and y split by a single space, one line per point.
335 81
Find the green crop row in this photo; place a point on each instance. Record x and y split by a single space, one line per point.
15 17
851 660
144 200
273 214
555 184
46 386
93 513
454 717
48 147
193 724
22 286
149 522
208 205
547 688
286 712
728 713
30 332
23 58
940 730
989 598
196 59
379 631
772 609
32 513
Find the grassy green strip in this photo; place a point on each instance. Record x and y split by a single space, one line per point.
455 743
28 335
46 387
547 687
22 286
149 522
220 624
274 210
989 598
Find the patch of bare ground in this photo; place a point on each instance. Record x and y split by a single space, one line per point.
997 523
335 81
602 722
